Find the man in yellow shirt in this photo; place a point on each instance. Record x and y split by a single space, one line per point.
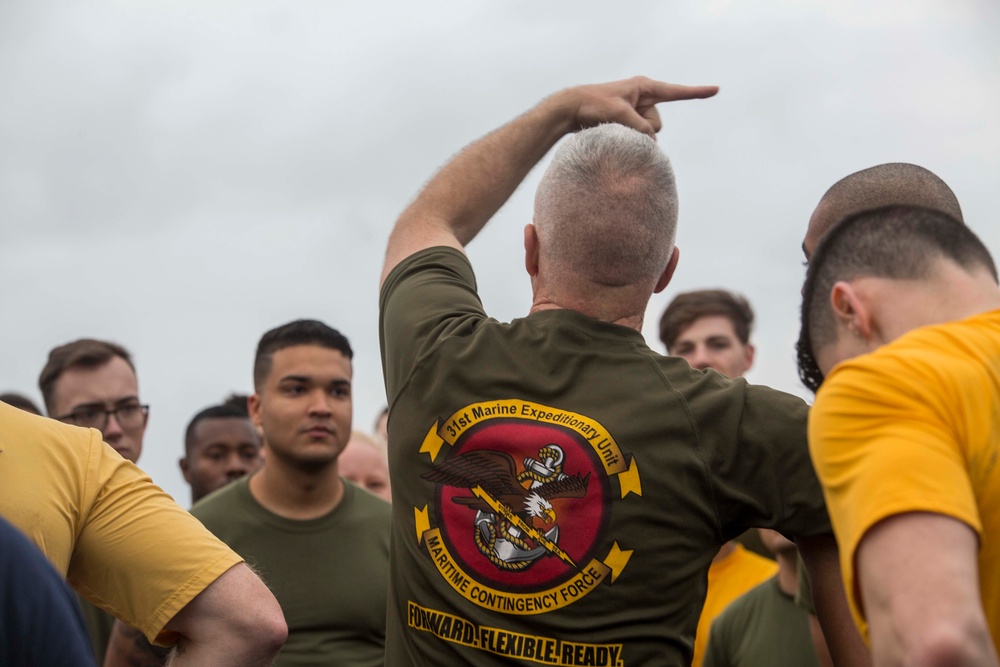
900 326
126 546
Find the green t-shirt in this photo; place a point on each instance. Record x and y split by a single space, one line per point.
329 574
762 628
559 489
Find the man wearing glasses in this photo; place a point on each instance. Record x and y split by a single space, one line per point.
92 383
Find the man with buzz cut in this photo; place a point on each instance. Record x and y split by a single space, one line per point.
559 489
901 338
890 184
321 543
221 444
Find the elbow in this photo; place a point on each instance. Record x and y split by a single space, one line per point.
274 637
268 630
257 631
951 644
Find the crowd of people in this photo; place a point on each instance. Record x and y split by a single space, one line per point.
548 490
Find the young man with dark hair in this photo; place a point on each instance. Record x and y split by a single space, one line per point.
901 337
711 329
559 490
322 544
221 444
92 383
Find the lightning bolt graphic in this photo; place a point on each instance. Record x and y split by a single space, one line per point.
497 507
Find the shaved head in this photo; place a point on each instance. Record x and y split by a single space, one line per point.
892 184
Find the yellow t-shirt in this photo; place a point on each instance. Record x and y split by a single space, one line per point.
121 541
728 579
915 426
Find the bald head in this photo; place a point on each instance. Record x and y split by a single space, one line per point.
892 184
606 210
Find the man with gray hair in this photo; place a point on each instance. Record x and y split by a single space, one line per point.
559 489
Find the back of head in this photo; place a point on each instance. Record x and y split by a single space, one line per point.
83 353
687 307
299 332
606 208
895 242
891 184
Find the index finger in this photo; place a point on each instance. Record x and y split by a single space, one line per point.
653 92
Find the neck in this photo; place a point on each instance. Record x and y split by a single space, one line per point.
623 305
630 321
952 294
294 493
788 571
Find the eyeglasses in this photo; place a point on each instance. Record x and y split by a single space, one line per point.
129 417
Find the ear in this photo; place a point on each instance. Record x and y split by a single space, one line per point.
668 272
850 310
253 406
184 469
531 249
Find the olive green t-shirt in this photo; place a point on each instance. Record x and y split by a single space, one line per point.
762 628
559 489
329 574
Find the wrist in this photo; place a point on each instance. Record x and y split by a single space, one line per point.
559 112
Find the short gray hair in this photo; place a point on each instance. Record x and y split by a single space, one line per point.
606 207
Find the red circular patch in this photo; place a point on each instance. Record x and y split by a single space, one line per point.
581 521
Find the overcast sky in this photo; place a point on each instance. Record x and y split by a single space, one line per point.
180 177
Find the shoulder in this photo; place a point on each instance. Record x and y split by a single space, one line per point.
441 262
43 436
928 360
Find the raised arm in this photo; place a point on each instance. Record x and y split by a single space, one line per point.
464 195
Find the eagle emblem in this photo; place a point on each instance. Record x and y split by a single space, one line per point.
515 522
